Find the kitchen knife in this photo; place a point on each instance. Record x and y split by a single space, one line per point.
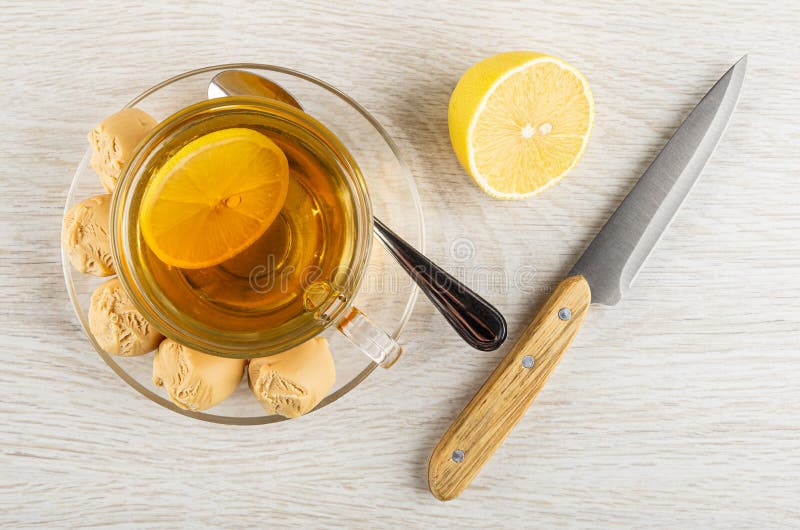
602 275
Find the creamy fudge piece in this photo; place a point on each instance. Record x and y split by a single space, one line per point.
295 381
117 325
112 142
84 236
194 380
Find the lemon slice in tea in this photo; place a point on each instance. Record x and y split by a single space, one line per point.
214 198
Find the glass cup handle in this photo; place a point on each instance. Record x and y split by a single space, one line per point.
369 338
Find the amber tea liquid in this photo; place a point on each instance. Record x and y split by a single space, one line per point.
309 247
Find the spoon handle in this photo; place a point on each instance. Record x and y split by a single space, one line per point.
478 322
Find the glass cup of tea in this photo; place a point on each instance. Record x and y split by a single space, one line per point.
298 279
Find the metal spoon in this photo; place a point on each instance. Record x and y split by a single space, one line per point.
479 323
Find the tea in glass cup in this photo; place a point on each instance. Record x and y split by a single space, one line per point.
236 270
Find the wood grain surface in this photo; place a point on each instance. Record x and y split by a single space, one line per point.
676 408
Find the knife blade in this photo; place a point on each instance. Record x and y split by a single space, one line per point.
601 275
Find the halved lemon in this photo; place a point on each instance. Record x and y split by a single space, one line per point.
214 198
520 121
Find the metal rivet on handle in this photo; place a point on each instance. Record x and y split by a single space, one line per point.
527 361
564 313
458 456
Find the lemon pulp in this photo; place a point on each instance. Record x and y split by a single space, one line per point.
214 198
520 121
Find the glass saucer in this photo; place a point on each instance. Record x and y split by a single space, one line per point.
387 294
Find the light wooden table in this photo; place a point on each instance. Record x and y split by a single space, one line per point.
678 408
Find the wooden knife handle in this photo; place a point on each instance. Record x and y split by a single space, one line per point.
502 400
